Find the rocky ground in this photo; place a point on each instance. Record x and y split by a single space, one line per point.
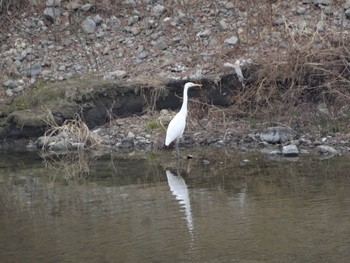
152 40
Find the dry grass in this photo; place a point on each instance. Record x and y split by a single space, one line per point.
73 131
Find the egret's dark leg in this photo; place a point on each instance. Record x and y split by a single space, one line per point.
177 149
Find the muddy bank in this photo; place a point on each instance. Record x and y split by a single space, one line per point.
123 72
127 116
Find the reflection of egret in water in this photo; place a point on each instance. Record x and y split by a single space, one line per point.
179 189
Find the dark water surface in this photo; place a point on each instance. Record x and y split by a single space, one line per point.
125 208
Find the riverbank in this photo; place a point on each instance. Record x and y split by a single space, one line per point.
293 56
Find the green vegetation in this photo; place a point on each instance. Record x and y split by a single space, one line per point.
153 124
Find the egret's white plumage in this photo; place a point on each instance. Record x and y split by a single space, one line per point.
238 70
178 123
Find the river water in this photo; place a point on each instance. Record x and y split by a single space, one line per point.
150 208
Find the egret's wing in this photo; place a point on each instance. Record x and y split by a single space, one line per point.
175 129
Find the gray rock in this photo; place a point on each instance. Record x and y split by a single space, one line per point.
160 44
328 10
59 146
229 6
158 10
327 150
204 33
278 134
52 13
320 27
9 93
290 150
86 7
4 48
300 10
206 162
279 21
117 74
17 64
322 108
89 25
98 19
20 58
322 2
347 4
142 55
32 71
53 2
18 89
77 145
131 135
127 143
223 25
11 84
347 13
135 30
133 20
106 50
231 41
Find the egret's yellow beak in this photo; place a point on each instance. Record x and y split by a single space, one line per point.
198 85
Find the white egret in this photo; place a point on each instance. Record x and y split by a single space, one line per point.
238 70
177 125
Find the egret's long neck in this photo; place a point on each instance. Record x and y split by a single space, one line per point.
185 101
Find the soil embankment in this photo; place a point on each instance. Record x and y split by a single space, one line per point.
121 62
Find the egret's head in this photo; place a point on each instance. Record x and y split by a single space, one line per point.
191 84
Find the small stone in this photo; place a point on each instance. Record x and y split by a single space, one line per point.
32 71
322 2
160 44
127 143
327 150
135 30
106 50
11 84
131 135
279 21
18 89
347 4
9 93
245 163
322 108
59 146
142 55
158 10
278 134
98 19
117 74
206 162
290 150
204 33
229 5
231 41
86 7
89 26
300 10
51 13
223 25
347 13
133 20
77 145
328 10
